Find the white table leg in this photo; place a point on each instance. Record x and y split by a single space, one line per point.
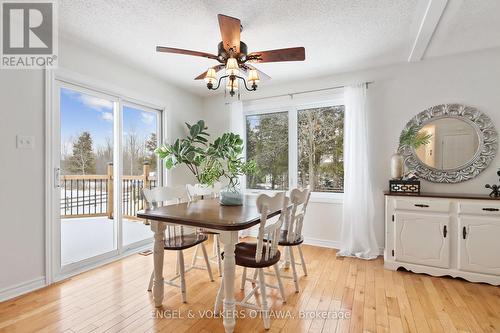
229 239
158 253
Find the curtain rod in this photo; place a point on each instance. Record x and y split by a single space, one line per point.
302 92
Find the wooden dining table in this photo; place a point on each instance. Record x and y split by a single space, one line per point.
209 215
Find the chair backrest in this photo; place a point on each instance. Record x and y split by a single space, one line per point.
162 196
269 229
299 199
198 191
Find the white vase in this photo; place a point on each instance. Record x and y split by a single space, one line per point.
397 166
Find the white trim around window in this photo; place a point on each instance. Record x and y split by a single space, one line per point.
292 105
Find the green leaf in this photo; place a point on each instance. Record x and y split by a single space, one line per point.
169 163
194 131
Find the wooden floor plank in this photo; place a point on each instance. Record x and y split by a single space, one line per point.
113 298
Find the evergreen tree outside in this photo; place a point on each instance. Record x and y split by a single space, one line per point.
82 160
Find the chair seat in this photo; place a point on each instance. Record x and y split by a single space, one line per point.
184 242
283 240
245 256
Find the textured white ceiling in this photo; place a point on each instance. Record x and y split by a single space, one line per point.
466 25
338 35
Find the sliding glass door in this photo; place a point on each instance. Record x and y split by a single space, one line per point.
105 158
86 140
141 127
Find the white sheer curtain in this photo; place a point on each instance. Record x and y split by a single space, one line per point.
358 235
236 117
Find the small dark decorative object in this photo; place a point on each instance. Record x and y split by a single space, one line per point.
404 186
495 189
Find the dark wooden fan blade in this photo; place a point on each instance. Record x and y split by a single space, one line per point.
263 76
290 54
230 32
202 75
187 52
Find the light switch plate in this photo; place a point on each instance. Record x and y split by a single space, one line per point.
25 142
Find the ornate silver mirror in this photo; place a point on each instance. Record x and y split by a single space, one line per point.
463 142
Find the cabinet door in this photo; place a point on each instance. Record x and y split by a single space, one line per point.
422 239
479 240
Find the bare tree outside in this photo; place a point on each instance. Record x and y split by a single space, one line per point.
320 148
267 145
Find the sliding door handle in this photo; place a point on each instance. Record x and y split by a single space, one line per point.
57 177
445 231
491 209
464 232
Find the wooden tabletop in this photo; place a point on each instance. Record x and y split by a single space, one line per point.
209 214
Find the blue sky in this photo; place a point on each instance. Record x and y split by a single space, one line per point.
82 112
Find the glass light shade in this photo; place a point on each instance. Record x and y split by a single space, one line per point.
211 76
232 67
253 76
232 84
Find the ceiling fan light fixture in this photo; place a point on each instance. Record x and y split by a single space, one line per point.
253 77
232 67
211 76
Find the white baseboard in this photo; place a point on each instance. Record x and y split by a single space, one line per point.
22 288
331 244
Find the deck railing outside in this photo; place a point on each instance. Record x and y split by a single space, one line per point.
92 195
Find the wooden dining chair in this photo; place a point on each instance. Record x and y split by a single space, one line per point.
198 192
260 255
291 234
176 238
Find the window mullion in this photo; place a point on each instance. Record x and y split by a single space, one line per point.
292 148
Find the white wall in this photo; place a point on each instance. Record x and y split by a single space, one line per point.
399 93
22 241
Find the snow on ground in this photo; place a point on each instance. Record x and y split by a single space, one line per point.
83 238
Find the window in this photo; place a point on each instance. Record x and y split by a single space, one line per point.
267 144
300 147
320 136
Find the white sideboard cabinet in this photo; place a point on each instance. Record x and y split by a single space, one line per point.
438 234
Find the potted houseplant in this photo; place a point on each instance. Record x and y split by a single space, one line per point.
413 138
209 162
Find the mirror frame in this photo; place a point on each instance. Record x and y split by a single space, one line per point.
485 154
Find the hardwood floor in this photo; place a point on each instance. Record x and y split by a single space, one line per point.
113 298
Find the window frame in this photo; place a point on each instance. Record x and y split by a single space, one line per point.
292 106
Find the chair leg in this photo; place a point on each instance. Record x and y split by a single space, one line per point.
294 270
207 262
195 256
150 287
304 268
265 308
177 266
255 275
180 256
243 278
217 251
220 296
286 264
280 283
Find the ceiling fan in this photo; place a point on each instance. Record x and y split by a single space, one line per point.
234 57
